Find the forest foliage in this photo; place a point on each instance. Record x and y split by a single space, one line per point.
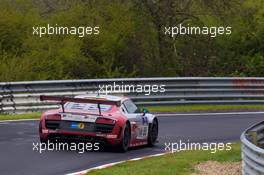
131 42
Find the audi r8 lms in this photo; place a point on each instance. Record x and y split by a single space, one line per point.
112 120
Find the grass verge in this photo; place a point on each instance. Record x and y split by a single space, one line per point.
194 108
181 163
19 116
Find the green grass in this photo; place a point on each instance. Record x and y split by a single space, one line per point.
181 163
19 116
190 108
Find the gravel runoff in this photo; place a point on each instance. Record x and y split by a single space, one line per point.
217 168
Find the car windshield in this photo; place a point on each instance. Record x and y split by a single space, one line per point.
87 106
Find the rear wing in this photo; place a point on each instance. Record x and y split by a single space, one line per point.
63 100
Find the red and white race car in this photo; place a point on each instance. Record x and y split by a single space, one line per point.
109 119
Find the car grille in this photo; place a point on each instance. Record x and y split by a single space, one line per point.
88 127
103 128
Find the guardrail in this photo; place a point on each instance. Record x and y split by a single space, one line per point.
253 150
24 96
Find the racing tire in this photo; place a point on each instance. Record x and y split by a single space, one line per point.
40 131
153 133
125 141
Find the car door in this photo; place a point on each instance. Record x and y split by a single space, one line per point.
139 122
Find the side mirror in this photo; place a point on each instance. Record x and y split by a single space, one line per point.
144 110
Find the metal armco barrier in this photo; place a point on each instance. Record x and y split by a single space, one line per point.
19 97
253 150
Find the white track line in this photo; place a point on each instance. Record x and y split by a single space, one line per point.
212 113
18 120
83 172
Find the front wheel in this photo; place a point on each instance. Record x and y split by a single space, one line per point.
153 132
123 146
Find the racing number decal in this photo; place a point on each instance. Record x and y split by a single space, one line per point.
142 132
143 129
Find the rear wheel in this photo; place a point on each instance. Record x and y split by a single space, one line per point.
40 131
123 146
153 132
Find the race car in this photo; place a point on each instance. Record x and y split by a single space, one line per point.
112 120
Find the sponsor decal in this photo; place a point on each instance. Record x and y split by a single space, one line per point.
81 125
76 117
75 125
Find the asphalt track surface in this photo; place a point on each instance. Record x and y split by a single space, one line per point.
17 155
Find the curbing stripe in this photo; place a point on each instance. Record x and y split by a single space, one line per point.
83 172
